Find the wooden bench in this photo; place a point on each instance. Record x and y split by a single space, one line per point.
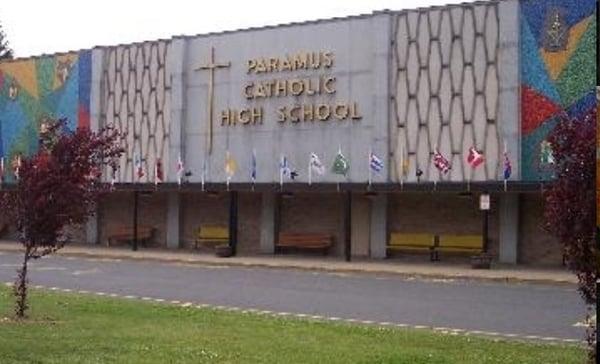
125 233
305 241
412 242
453 243
211 235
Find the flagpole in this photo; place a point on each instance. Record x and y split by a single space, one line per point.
281 171
203 173
309 171
369 166
401 167
504 174
253 168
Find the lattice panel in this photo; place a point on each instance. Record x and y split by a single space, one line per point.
446 90
136 94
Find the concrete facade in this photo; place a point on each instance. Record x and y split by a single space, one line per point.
401 85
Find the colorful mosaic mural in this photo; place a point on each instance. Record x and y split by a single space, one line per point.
34 89
558 73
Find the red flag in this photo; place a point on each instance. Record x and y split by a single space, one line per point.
475 158
440 162
158 171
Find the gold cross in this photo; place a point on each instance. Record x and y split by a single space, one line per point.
211 66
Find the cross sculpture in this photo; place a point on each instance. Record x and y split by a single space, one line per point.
211 66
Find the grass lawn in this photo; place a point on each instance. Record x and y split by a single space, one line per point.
71 328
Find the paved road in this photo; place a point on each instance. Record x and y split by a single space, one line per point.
522 309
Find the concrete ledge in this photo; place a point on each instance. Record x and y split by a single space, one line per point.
423 270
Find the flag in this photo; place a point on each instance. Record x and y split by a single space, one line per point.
404 164
230 166
139 168
546 153
16 166
475 158
180 169
2 170
375 163
203 174
340 164
285 169
315 165
113 176
507 166
440 162
419 173
253 166
158 171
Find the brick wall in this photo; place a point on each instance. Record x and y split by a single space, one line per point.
536 246
314 212
116 209
249 209
199 208
441 213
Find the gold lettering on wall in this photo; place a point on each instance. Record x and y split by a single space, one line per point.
304 86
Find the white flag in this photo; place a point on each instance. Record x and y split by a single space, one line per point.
315 165
180 169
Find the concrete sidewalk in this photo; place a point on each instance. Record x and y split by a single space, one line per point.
409 268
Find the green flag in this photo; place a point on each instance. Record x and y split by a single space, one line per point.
340 164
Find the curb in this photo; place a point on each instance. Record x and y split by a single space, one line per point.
287 265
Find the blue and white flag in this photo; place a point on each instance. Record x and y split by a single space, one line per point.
375 163
285 170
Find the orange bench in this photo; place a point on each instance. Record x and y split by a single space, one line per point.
305 241
125 233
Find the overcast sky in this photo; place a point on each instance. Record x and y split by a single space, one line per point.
37 27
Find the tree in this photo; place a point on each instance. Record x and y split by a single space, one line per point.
57 187
570 211
5 51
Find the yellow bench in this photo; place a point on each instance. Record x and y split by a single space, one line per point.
211 235
411 242
453 243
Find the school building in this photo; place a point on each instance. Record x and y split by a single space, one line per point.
351 134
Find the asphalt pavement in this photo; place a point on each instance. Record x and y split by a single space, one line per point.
511 309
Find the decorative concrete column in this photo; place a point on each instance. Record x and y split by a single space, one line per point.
91 229
378 233
268 217
173 220
509 228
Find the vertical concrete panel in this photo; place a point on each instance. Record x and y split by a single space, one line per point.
509 228
360 70
173 220
96 89
361 221
175 61
508 68
382 50
91 230
267 223
378 230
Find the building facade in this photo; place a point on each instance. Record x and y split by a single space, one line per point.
404 86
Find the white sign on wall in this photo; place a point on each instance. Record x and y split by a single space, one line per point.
484 202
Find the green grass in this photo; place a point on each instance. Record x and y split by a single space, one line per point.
71 328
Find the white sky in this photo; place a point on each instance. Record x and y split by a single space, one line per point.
42 26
